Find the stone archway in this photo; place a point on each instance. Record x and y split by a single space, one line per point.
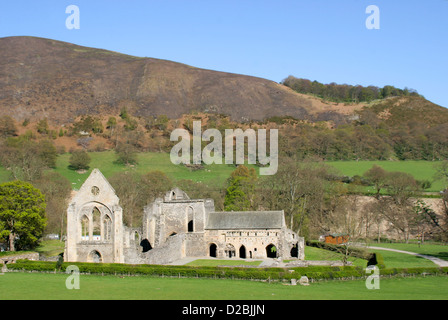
94 256
271 251
230 250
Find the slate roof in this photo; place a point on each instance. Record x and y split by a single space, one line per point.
231 220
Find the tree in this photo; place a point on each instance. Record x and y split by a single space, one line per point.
441 171
42 126
79 160
136 191
7 127
400 209
201 190
298 189
442 174
126 154
155 184
378 177
401 186
127 187
56 189
47 152
240 191
22 159
22 214
111 125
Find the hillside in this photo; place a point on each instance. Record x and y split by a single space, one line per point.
47 78
43 78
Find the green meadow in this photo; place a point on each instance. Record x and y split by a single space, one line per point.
420 170
215 175
47 286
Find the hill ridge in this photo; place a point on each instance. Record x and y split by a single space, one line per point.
59 80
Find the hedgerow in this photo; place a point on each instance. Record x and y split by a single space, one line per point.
312 272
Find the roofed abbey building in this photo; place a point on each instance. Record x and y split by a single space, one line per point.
174 227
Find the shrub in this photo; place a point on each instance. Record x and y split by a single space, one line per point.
79 160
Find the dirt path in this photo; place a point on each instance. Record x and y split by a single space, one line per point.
437 261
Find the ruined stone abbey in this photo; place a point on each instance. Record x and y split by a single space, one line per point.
173 228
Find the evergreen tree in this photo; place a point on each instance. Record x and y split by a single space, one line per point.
240 191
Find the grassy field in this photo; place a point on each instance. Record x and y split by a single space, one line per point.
421 170
52 286
215 175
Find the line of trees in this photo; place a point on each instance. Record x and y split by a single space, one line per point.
368 139
344 92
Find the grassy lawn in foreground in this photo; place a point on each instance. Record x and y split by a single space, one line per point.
52 286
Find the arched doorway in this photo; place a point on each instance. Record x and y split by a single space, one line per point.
295 251
95 257
271 251
190 226
230 250
212 250
243 252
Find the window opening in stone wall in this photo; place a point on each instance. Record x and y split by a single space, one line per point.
146 245
107 225
96 214
84 228
190 219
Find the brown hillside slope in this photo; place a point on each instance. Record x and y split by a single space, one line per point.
47 78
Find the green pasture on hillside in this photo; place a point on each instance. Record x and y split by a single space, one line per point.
215 175
421 170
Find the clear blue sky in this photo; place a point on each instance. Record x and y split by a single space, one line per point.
323 40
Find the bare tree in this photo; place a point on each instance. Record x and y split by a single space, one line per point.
298 189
